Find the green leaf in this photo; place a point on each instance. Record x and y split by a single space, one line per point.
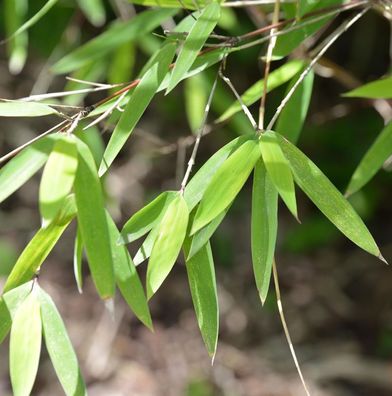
23 166
25 109
278 169
327 198
61 352
379 89
226 183
94 11
138 102
202 282
146 218
113 37
197 186
145 250
9 303
58 177
92 222
127 278
171 234
292 117
255 92
77 260
195 101
194 41
188 4
25 345
372 161
264 227
40 246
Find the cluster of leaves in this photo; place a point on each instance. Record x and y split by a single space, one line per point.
74 165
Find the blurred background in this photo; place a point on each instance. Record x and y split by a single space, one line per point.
337 298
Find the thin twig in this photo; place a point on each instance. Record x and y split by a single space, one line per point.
335 35
285 328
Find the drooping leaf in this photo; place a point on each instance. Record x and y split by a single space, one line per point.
60 349
113 37
255 92
278 169
202 282
327 198
25 345
226 183
94 11
145 250
24 165
40 246
195 101
77 260
194 41
379 89
92 222
167 246
127 278
264 226
292 117
372 161
58 177
146 218
25 109
138 102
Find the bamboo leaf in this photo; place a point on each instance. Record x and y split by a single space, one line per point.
127 278
264 226
379 89
113 37
195 40
25 109
187 4
94 11
25 345
23 166
202 282
278 169
255 92
226 183
92 222
195 101
372 161
145 250
171 234
138 102
61 352
77 260
146 218
58 177
327 198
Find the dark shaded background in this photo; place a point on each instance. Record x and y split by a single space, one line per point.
336 297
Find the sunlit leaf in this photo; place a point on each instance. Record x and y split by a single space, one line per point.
168 244
327 198
77 260
60 349
188 4
379 89
92 222
264 226
58 177
127 278
278 169
25 109
138 102
25 345
372 161
94 11
194 41
145 250
195 101
226 183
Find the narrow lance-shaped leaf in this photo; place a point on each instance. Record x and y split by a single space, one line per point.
127 278
188 4
25 109
226 183
58 344
195 101
25 345
22 167
145 249
140 99
171 235
146 218
278 169
77 260
92 222
94 11
327 198
58 177
379 89
194 41
264 226
372 161
40 246
202 282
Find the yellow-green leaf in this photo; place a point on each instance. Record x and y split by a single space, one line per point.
25 109
77 260
379 89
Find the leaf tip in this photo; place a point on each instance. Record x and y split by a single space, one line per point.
382 258
109 305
